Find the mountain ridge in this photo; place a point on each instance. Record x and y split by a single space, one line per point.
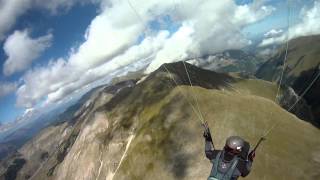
302 66
151 125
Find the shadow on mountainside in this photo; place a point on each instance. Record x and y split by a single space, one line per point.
312 96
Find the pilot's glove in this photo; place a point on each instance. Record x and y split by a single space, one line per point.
207 134
251 155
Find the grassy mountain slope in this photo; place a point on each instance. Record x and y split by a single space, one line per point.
170 139
150 131
302 66
303 55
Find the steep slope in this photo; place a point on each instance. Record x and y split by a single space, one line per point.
20 133
303 64
15 137
48 149
149 131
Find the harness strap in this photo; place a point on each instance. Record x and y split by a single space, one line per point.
216 164
227 176
232 169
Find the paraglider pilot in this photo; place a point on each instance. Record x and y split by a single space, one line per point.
231 162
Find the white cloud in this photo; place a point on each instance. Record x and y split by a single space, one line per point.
212 33
22 50
309 25
250 13
11 10
111 42
273 33
175 48
7 88
61 78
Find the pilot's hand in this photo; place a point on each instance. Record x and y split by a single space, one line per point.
207 134
252 155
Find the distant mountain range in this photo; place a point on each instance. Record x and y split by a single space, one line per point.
230 61
14 135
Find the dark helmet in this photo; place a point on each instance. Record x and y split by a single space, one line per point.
234 145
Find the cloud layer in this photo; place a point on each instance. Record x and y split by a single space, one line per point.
7 88
22 50
273 33
11 10
309 25
112 41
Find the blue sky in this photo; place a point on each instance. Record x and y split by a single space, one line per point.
278 20
68 28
